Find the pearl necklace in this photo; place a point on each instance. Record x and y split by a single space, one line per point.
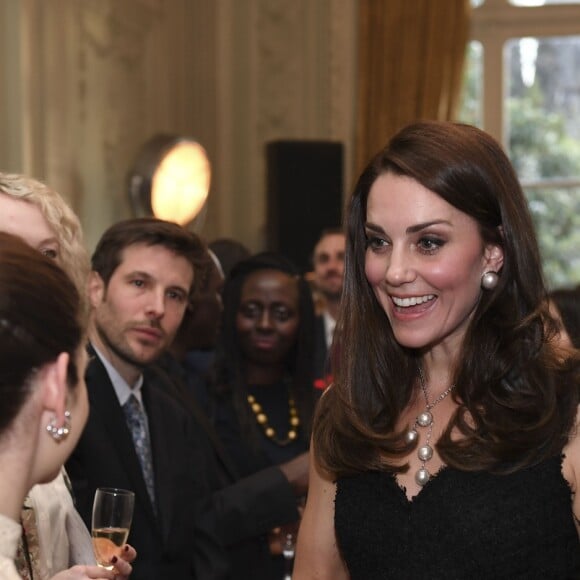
269 431
425 419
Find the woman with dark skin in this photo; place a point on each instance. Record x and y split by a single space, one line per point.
448 445
263 378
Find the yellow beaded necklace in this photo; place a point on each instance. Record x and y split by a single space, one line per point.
269 431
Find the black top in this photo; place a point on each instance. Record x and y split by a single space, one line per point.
274 401
252 450
460 526
247 506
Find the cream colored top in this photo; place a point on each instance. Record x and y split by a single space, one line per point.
9 535
62 535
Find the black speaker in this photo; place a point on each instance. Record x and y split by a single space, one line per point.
304 195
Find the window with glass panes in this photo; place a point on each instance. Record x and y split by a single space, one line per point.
522 85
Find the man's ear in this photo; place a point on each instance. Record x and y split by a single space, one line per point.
53 377
96 289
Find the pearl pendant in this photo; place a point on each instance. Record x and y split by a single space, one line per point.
422 477
411 436
425 419
425 452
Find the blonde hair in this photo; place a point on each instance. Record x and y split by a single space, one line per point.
73 256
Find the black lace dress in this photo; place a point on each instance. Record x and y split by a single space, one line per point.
461 526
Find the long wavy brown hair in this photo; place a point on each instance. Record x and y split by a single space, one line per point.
517 396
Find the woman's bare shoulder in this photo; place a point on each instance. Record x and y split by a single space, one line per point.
571 468
571 463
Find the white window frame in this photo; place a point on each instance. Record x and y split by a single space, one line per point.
493 24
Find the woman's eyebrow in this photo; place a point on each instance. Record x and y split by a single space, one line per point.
418 227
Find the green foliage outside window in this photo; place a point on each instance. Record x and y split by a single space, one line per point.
540 148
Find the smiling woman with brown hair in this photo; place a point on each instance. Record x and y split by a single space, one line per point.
448 445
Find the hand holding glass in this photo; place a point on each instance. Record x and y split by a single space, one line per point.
112 515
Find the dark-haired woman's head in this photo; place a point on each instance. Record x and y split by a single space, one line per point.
268 313
467 169
267 328
41 348
268 318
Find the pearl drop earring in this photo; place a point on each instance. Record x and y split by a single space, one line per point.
489 280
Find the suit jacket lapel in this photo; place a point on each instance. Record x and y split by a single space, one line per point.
105 405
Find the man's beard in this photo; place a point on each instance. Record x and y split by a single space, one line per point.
121 353
332 296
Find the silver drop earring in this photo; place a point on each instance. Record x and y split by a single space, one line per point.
489 280
59 433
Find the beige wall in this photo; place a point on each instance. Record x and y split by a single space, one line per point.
86 82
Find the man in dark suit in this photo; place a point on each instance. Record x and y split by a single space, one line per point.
138 436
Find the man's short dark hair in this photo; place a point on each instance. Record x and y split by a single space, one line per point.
150 232
334 231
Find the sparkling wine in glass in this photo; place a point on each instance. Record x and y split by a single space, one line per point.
112 515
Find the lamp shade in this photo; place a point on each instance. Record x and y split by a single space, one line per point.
170 179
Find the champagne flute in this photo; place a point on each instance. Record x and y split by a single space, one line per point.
112 515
